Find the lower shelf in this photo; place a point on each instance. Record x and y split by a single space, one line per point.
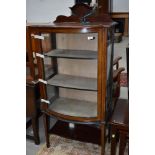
72 107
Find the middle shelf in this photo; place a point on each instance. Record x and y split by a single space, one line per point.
75 82
74 54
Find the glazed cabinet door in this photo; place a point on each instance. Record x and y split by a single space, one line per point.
73 75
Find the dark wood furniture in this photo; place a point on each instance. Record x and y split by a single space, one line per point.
116 89
122 15
120 126
32 110
116 77
32 93
76 110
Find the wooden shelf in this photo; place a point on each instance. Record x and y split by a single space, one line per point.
74 54
75 82
72 107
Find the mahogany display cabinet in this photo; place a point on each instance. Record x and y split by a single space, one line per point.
78 86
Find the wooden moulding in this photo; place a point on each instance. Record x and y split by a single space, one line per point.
83 13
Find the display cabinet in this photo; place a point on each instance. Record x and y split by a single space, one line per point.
78 86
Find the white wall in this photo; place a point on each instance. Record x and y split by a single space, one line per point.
46 10
120 6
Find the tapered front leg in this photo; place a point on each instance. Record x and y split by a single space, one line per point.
46 127
103 139
35 127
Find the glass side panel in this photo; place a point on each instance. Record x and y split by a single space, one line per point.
110 50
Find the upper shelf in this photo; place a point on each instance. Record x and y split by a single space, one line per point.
73 54
74 82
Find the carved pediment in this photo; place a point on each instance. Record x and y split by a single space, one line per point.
83 13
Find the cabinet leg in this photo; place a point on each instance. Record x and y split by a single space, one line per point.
109 133
122 143
35 127
113 140
102 139
46 126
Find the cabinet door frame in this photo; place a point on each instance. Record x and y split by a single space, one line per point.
102 69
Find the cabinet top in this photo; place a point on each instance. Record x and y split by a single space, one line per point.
70 27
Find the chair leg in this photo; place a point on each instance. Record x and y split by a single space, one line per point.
35 127
46 126
113 140
102 139
122 143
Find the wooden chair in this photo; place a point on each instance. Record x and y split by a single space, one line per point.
120 126
116 77
116 88
119 120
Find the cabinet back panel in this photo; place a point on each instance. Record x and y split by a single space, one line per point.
78 94
78 67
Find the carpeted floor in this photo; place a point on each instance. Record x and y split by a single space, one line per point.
64 146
